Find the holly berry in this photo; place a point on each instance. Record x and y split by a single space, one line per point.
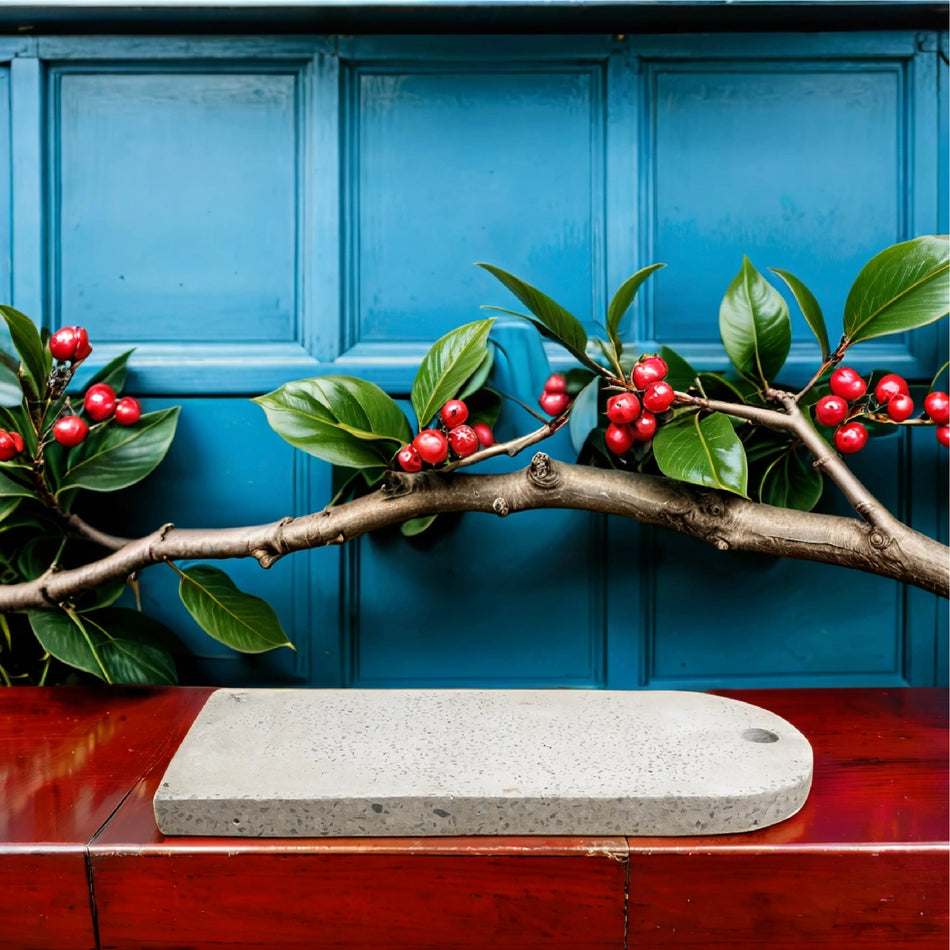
847 384
623 408
831 410
937 405
454 413
432 446
644 427
943 436
408 458
890 386
128 411
659 396
70 343
7 446
555 383
619 438
485 435
463 440
99 402
900 407
851 438
70 431
554 403
17 440
648 370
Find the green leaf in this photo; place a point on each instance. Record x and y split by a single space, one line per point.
561 324
7 507
415 526
622 300
35 358
903 287
681 375
479 378
11 488
10 392
340 419
583 416
754 325
129 661
241 621
65 637
113 373
791 481
811 309
447 366
114 456
702 451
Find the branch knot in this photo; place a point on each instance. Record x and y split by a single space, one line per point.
541 471
500 507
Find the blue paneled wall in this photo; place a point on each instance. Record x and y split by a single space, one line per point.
250 210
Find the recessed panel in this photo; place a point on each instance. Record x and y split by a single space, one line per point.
176 205
5 243
800 168
455 167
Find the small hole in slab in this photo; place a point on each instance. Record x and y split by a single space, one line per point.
235 821
759 735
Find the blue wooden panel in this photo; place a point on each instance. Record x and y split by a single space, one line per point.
176 204
452 164
6 244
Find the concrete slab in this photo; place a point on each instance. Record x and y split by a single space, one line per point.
277 763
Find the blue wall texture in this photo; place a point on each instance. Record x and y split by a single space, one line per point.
250 210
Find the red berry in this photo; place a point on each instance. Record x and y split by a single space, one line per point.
409 459
648 370
847 384
70 431
831 410
17 440
659 396
454 413
889 386
485 435
943 436
644 427
851 437
128 411
554 403
432 446
556 383
83 347
937 405
70 343
623 408
619 438
463 440
900 407
99 402
7 446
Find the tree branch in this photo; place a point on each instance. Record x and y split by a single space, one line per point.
726 521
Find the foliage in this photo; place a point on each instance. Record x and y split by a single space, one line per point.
725 431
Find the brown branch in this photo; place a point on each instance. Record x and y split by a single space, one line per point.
726 521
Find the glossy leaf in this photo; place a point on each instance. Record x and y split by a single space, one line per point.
340 419
681 375
903 287
114 456
69 640
35 358
10 392
702 451
130 661
561 323
791 481
583 416
7 507
113 373
754 325
241 621
416 526
479 378
11 488
447 366
811 309
622 300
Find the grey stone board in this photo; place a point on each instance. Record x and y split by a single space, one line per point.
339 762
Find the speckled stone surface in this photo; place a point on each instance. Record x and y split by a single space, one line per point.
276 763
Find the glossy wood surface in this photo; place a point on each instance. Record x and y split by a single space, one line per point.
864 863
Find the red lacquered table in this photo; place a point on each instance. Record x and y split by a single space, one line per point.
82 865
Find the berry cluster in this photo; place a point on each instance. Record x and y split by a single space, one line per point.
554 400
633 413
70 345
11 444
891 396
432 446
